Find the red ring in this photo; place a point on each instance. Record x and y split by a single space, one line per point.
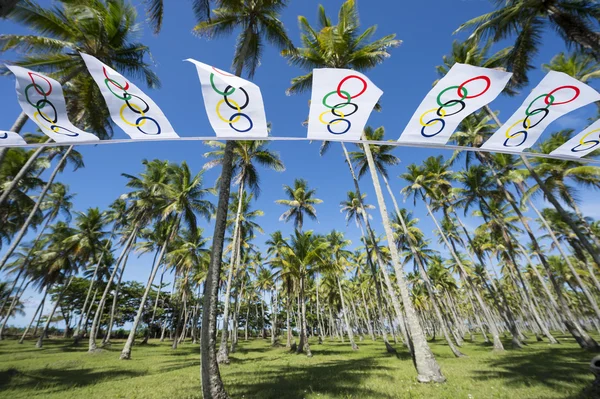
35 85
339 88
574 88
111 81
487 87
221 72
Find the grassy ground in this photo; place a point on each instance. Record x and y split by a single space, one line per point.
60 370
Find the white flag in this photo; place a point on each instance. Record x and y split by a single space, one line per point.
7 138
463 90
41 98
556 95
341 102
234 106
131 109
582 144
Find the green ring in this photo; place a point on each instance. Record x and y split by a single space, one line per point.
212 83
348 98
27 95
466 93
124 98
537 111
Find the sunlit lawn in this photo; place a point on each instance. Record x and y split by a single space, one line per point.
61 370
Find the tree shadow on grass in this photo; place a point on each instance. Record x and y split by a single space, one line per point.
59 379
341 378
559 368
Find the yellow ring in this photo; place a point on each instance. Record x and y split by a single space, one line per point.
239 110
330 123
584 137
126 121
515 124
431 110
35 116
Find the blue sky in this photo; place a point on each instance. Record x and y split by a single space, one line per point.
425 27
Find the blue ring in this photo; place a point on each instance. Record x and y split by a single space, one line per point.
5 136
64 134
513 135
436 133
342 120
232 117
137 122
596 142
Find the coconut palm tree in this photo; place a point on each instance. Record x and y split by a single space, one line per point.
247 154
259 21
300 201
582 67
576 22
180 199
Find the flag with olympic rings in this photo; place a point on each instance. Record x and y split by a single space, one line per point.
42 99
463 90
556 95
7 138
130 108
340 105
582 144
234 105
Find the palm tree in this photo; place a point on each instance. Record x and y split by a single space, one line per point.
427 368
582 67
55 48
180 199
258 20
155 11
246 154
300 201
575 21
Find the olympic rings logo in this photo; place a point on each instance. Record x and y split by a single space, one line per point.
339 110
528 123
446 108
141 108
237 115
45 111
582 142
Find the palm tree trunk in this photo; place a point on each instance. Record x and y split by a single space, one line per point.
13 303
288 325
427 367
212 385
368 315
16 128
113 309
470 286
92 347
40 342
38 310
318 310
126 352
345 312
36 207
303 345
22 172
274 316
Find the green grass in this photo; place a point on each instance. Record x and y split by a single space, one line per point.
63 371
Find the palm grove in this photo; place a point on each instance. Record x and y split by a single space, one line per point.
512 275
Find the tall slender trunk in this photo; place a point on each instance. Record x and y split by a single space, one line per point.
368 315
320 331
40 341
345 312
19 176
274 316
92 347
106 339
212 385
38 310
13 303
36 207
126 352
427 367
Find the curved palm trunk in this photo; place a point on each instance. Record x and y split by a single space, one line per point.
17 240
223 353
345 312
22 172
106 339
92 347
38 310
470 286
428 369
126 352
212 385
40 342
396 305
